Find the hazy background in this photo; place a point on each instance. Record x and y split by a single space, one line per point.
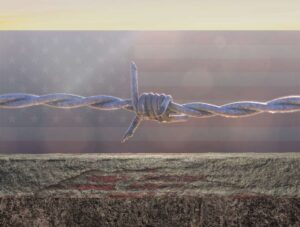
215 67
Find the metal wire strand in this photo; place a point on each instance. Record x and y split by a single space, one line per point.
150 106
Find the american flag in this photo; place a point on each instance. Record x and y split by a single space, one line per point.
208 66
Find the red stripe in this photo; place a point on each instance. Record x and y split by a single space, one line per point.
215 94
259 121
189 94
218 65
149 147
219 37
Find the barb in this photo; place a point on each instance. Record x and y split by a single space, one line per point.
151 106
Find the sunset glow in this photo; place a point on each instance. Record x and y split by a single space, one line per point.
149 15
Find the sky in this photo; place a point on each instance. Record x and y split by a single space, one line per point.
149 15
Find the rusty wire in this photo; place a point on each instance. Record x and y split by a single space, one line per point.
151 106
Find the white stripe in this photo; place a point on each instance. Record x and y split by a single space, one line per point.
164 133
186 51
203 77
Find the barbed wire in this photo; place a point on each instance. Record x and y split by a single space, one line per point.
151 106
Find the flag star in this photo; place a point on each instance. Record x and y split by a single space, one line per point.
45 50
56 79
67 69
100 40
45 70
78 119
77 80
112 70
23 89
12 79
89 89
112 50
125 41
67 50
45 88
56 60
220 42
12 119
12 41
123 119
34 60
89 69
34 79
55 40
12 60
89 110
123 60
23 50
111 89
45 109
100 119
88 49
33 40
100 79
55 119
78 40
23 69
34 118
78 60
123 79
67 89
100 60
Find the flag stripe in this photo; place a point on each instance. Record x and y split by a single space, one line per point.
219 37
100 119
220 79
218 65
223 95
74 146
239 52
164 134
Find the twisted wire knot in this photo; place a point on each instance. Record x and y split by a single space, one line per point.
149 106
152 106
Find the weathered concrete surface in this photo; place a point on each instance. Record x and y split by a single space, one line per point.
150 190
